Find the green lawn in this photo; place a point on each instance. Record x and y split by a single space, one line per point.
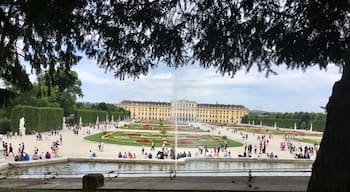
142 138
306 140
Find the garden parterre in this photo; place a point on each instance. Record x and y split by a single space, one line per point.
147 138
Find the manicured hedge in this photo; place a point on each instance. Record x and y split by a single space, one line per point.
36 118
89 116
5 126
118 115
317 125
286 123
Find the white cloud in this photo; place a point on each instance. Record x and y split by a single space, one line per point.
161 76
290 90
90 77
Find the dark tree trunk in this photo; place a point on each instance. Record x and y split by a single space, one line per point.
331 169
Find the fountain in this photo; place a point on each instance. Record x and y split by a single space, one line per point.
187 167
190 167
174 150
175 111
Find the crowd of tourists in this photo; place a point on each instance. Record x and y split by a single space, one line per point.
300 151
22 153
252 148
258 150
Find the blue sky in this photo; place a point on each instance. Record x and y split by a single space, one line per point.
289 91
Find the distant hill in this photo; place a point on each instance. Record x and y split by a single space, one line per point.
258 112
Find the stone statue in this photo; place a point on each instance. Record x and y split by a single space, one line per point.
21 122
22 129
64 123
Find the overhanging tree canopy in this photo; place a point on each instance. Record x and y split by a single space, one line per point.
130 37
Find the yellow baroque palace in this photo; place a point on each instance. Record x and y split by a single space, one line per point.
185 110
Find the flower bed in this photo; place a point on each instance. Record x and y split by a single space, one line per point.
159 126
145 138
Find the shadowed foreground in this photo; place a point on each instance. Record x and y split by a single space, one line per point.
272 183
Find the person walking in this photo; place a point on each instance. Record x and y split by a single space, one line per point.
152 146
61 139
11 150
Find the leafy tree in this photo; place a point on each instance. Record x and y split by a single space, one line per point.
102 106
63 88
303 125
130 37
68 91
305 117
5 96
32 97
41 95
67 100
43 33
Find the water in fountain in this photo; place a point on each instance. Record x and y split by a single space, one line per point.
174 110
176 128
212 167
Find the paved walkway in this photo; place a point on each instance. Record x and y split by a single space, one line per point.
77 146
297 184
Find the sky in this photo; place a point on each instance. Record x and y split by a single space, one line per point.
289 91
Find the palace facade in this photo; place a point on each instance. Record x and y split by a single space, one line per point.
185 110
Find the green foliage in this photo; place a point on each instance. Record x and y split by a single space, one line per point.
226 35
5 126
307 140
102 106
89 116
117 112
163 132
303 120
5 96
131 37
61 87
67 101
36 118
119 115
33 97
50 92
4 113
99 106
